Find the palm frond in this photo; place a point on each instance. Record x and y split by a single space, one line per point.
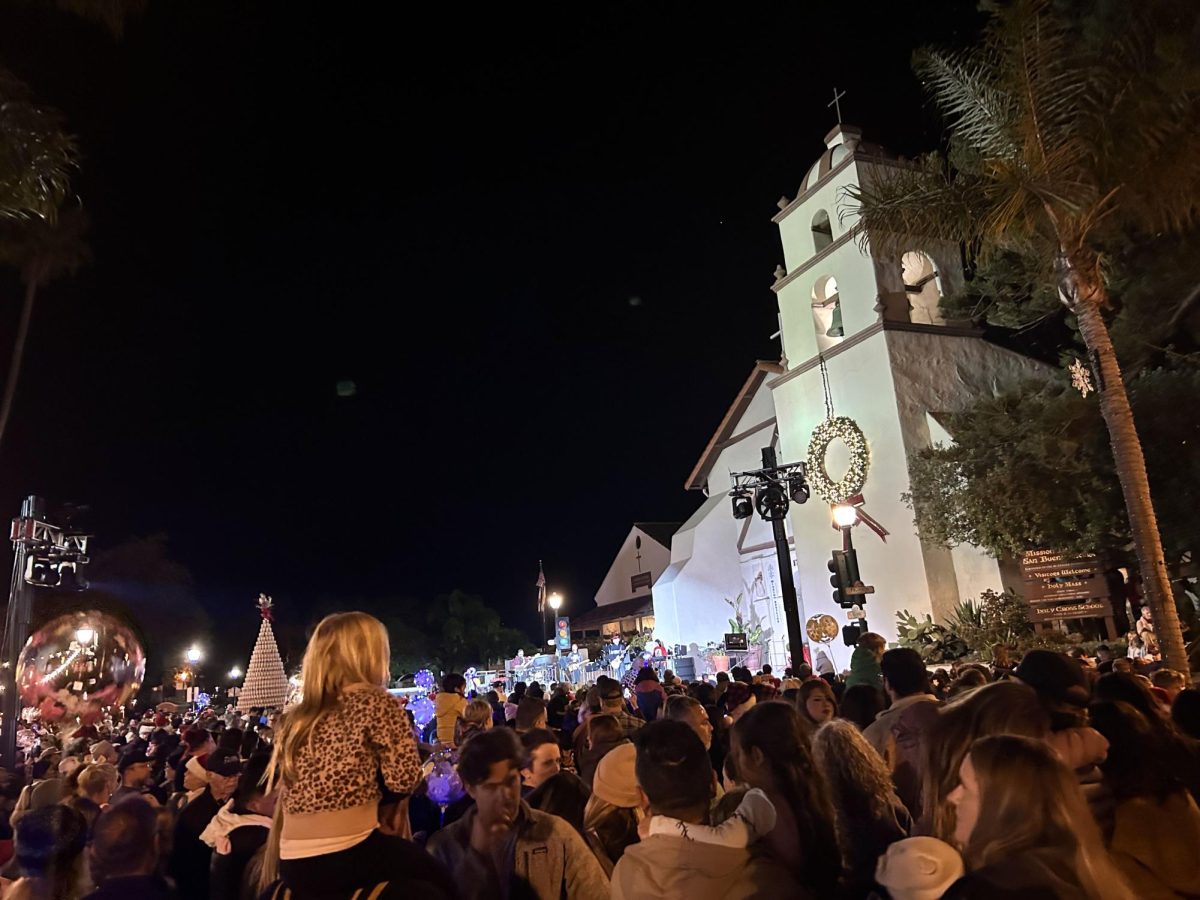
37 155
965 88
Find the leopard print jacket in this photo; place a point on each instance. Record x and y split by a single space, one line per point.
366 736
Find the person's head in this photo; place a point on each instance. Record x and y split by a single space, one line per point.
673 770
134 768
612 697
1031 802
49 845
1131 689
803 671
604 729
198 741
478 714
104 752
531 714
861 703
518 692
739 699
453 683
859 780
252 793
1104 653
489 765
346 649
817 702
967 680
723 678
1185 712
1004 707
688 710
97 783
873 642
224 768
541 758
1170 681
771 751
124 841
1060 683
646 673
231 739
903 673
615 781
1124 665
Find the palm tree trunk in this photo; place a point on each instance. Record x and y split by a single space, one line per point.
14 367
1088 296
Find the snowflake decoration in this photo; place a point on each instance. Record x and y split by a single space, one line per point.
1081 378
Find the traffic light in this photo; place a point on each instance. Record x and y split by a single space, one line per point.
840 578
852 632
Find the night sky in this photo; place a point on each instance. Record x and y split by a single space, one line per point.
538 241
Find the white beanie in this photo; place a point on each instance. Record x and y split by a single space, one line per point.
919 868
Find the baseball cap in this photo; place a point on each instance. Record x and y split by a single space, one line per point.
609 688
1054 675
132 758
223 762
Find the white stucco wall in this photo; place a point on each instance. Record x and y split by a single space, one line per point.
616 584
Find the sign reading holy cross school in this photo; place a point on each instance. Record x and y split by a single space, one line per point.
1064 586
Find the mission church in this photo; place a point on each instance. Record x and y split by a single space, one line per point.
862 336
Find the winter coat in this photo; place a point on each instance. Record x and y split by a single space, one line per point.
1154 844
672 867
898 733
651 698
550 860
234 838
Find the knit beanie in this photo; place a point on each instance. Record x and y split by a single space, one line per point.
919 868
614 781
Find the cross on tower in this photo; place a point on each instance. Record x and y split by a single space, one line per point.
835 104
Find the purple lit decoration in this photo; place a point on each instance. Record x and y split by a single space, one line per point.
442 782
422 709
425 680
203 700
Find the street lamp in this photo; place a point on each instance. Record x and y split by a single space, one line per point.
771 490
845 516
235 673
84 635
555 601
194 655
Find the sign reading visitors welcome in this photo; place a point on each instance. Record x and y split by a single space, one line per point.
1060 585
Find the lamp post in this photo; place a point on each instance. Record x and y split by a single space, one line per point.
845 517
770 490
556 601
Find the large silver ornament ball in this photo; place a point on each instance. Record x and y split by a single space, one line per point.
76 666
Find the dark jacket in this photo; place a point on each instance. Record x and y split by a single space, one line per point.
549 861
134 887
190 856
1035 875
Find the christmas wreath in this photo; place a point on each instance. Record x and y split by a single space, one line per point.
845 429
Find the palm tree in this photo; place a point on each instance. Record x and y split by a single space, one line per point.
42 250
37 156
1062 139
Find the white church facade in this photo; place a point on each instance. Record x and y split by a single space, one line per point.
868 326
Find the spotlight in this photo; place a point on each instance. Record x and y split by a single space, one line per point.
68 577
743 508
40 572
771 501
798 488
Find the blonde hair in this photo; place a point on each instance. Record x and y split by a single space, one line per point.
345 650
1003 707
1033 805
96 778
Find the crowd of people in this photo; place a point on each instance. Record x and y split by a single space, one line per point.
1048 776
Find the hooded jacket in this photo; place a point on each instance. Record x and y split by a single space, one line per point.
448 706
673 867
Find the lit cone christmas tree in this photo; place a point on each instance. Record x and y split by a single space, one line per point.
266 683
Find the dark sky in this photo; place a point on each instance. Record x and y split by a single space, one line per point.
455 213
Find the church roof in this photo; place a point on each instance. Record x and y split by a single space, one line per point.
733 415
597 616
659 531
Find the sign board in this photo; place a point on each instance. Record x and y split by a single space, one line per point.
640 580
1086 609
1052 577
859 589
736 641
562 633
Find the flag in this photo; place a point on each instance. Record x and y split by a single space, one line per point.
541 586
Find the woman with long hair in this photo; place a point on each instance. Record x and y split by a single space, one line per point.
334 750
1003 707
771 751
1156 823
869 815
817 702
476 717
1024 827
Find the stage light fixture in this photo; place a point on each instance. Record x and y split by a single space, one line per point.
798 488
771 501
743 508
